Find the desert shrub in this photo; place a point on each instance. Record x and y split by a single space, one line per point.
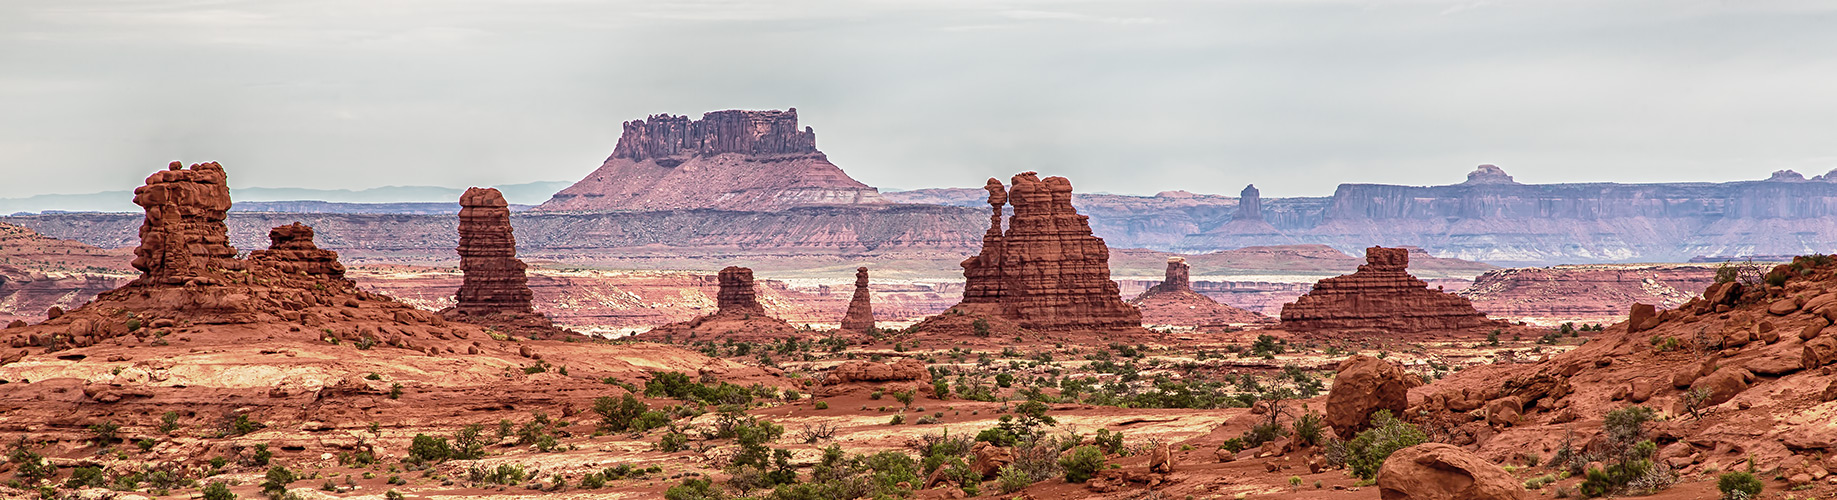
105 432
32 466
1367 451
1013 479
1082 463
505 474
468 443
276 480
617 414
1629 467
428 449
1263 433
169 422
261 455
217 490
1739 485
240 425
84 477
694 489
1307 429
1110 442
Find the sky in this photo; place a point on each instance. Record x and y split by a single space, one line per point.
1121 96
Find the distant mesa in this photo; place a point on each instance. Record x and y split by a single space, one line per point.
728 160
1488 174
1381 295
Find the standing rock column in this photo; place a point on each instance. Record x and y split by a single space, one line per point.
1055 274
1177 277
183 234
1249 204
982 273
860 316
737 295
495 281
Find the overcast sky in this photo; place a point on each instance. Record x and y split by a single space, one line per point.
1124 96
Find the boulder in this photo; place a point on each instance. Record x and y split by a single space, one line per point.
1723 384
1783 307
1161 459
1641 389
1819 352
990 459
1363 386
1504 412
1437 471
1641 317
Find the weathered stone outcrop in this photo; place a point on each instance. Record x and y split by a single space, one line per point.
1362 386
730 160
495 280
1585 293
737 295
1381 295
183 234
1438 471
291 250
1046 271
1173 302
860 315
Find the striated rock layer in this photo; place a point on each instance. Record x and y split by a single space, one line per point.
291 250
1598 293
1173 302
730 160
860 315
1046 271
1381 295
495 280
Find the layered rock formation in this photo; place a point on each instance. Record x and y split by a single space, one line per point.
860 315
182 235
729 160
737 293
1381 295
495 281
291 250
1173 302
1046 271
38 273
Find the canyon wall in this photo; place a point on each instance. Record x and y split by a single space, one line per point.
1599 293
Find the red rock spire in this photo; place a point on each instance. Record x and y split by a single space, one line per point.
495 281
860 316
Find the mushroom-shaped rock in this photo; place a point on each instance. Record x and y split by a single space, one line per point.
1437 471
1363 386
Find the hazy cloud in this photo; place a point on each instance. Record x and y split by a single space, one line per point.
1134 96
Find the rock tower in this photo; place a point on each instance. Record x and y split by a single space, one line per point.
1046 271
1381 295
737 295
495 281
183 234
860 316
1249 204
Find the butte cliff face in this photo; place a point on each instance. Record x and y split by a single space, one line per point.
729 160
1381 295
495 280
860 315
1046 271
1173 302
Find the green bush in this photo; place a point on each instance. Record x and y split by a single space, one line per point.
83 477
1307 429
1082 463
276 481
1739 485
693 489
216 490
429 449
618 414
1367 451
1013 479
32 466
